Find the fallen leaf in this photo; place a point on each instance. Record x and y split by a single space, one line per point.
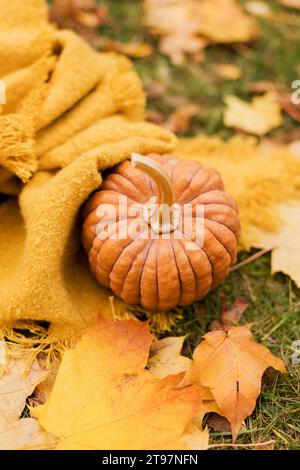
293 110
258 117
179 121
177 23
132 49
290 3
231 365
196 438
224 21
15 387
286 256
218 423
24 434
166 358
228 71
177 46
103 397
234 313
83 16
258 8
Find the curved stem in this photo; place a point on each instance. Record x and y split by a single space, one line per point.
164 187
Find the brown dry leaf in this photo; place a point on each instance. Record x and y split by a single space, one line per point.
258 8
166 358
293 110
234 313
218 423
290 3
258 117
187 26
224 21
286 256
15 387
132 49
179 121
178 23
231 365
228 71
115 403
83 16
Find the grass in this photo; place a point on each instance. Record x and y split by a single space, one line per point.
274 300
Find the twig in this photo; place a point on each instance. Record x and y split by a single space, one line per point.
258 444
252 258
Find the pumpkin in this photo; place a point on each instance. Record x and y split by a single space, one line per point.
149 256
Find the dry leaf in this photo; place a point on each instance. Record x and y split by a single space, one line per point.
231 365
132 49
196 438
286 256
233 314
179 121
257 117
258 8
83 16
178 23
228 71
290 3
15 387
224 21
24 434
103 397
187 26
218 423
166 359
293 110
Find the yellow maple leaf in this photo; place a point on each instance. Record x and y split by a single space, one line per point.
166 358
224 21
258 117
231 365
103 398
285 242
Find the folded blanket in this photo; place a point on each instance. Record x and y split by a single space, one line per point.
71 112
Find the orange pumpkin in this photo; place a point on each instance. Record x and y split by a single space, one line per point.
149 256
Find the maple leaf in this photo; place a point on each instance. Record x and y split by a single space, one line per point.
83 16
290 3
103 398
15 387
224 21
178 23
179 121
166 358
257 117
285 242
231 365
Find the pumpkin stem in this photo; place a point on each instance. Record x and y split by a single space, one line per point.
164 185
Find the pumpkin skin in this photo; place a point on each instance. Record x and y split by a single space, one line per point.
161 273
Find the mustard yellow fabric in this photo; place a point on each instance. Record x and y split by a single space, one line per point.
70 113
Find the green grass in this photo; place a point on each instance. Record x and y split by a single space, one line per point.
274 300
